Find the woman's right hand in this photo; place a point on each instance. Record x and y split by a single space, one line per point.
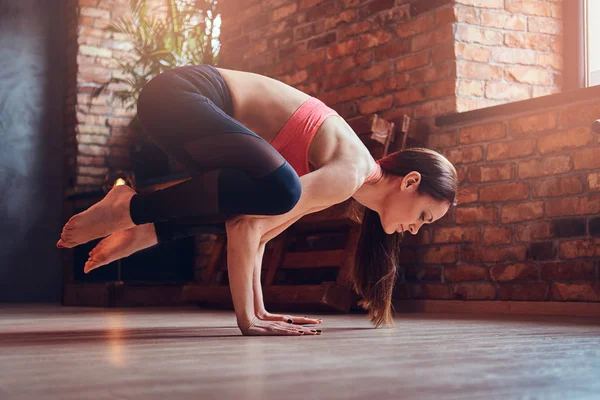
259 327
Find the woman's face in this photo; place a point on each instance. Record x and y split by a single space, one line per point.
405 210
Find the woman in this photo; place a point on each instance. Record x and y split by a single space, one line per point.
261 155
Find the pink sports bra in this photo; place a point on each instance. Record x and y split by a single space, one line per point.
294 139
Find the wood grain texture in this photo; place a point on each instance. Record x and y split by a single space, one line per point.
51 352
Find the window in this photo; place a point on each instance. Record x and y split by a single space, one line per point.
592 43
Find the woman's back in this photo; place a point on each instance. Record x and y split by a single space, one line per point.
261 103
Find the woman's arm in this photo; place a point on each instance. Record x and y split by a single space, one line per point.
329 185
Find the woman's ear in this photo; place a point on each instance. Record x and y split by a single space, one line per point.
411 181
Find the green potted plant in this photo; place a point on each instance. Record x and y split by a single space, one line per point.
176 33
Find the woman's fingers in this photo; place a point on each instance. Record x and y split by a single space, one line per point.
271 328
290 319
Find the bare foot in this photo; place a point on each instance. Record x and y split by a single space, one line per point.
111 214
120 245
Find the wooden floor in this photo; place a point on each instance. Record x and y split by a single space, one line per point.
53 352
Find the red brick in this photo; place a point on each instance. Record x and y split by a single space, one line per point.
422 273
356 28
376 71
341 49
345 94
537 291
512 149
470 88
476 70
410 96
534 41
502 20
466 14
322 10
468 195
465 215
445 16
378 38
513 56
528 7
295 78
504 192
456 234
480 35
371 106
491 172
413 61
87 160
438 254
579 114
556 186
589 291
392 50
430 291
589 204
475 291
545 25
544 166
482 133
464 155
475 253
313 57
522 212
567 270
435 108
528 75
443 53
308 31
442 89
415 26
493 235
345 16
507 91
533 230
593 181
587 158
514 272
442 140
433 73
579 248
431 39
473 53
283 12
466 273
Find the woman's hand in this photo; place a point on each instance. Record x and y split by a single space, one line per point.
267 316
259 327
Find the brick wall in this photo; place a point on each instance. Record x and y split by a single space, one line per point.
507 50
97 137
360 57
422 58
527 225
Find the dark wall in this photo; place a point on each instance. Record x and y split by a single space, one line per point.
31 147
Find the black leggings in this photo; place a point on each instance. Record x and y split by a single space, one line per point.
187 113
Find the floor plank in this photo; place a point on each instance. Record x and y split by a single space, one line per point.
53 352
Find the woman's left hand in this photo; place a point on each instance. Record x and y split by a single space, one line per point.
267 316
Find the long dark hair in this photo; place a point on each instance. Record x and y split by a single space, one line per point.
376 267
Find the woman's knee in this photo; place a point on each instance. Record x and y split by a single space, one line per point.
283 189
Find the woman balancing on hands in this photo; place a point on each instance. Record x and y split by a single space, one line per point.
261 155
